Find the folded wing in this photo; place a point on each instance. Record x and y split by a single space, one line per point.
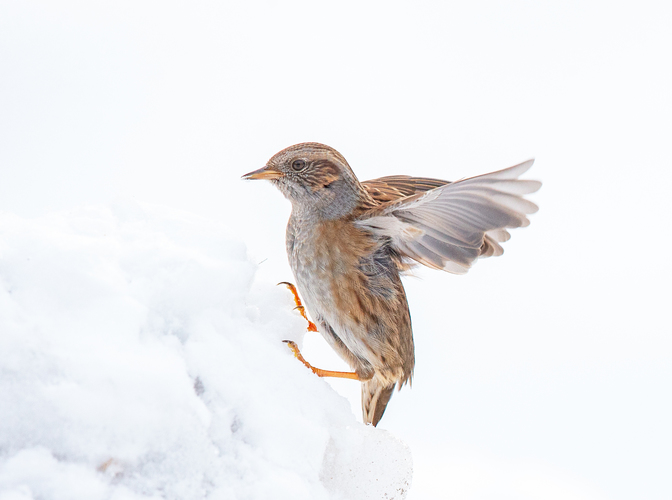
449 226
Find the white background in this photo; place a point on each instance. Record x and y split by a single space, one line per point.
545 373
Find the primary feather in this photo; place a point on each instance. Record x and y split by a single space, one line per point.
449 225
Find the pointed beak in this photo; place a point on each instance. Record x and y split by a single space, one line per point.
266 172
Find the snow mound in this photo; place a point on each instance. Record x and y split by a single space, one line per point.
138 361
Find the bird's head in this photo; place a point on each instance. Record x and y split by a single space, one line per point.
314 177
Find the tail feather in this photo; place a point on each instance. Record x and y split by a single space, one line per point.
375 396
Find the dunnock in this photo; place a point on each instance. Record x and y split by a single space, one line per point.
348 242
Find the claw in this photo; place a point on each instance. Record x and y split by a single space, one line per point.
299 306
318 371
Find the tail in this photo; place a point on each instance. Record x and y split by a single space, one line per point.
375 396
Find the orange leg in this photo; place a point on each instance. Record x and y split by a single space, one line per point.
299 305
317 371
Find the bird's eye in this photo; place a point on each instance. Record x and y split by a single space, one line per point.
298 165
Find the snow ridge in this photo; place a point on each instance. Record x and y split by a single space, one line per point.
138 361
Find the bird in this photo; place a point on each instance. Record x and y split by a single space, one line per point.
349 242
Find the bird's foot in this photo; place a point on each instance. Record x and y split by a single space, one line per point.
318 371
299 305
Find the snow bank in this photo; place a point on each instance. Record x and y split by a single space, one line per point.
136 361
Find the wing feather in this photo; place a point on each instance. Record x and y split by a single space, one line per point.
394 187
449 225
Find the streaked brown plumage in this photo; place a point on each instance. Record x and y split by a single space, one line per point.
348 242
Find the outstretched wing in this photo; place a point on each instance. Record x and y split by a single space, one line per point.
450 226
394 187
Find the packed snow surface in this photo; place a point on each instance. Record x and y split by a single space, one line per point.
140 359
